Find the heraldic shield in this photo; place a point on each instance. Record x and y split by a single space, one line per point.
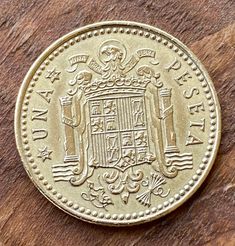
105 120
118 129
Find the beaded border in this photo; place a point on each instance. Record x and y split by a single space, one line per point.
160 38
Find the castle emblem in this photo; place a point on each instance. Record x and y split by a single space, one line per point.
106 121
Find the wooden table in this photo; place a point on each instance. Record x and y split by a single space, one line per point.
27 27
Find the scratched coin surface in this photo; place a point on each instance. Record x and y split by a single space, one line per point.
117 123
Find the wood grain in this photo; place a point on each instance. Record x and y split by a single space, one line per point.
27 27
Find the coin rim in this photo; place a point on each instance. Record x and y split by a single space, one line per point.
34 67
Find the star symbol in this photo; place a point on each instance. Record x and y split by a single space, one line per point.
53 75
44 153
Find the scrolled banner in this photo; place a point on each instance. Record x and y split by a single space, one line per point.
74 61
139 54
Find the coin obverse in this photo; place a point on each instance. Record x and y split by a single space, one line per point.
117 123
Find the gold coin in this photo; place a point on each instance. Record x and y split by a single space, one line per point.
117 123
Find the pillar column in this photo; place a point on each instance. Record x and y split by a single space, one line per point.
67 119
168 123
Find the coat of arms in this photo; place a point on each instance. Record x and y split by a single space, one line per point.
106 123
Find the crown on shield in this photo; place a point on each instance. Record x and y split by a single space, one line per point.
118 85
